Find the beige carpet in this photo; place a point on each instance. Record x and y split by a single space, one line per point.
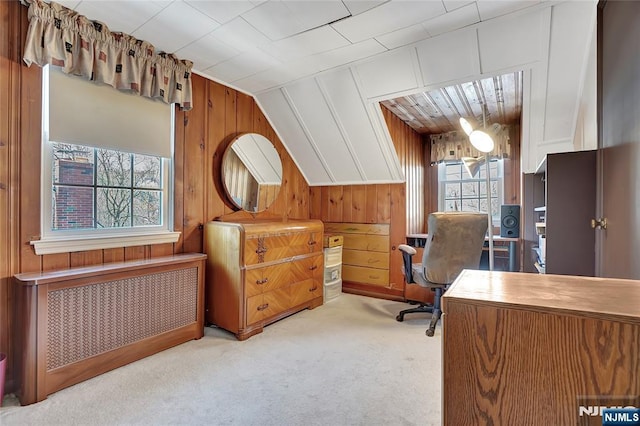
348 362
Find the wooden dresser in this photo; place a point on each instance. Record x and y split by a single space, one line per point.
365 255
536 349
261 271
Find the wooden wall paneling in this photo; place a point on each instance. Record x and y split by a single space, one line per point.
335 204
383 199
397 234
217 141
159 250
371 204
324 203
347 203
178 182
135 253
114 255
194 174
359 203
230 123
30 139
86 258
52 262
315 202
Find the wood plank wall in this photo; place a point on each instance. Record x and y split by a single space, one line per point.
202 134
399 205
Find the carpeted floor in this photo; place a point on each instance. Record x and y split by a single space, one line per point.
348 362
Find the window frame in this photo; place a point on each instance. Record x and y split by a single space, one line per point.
500 179
71 240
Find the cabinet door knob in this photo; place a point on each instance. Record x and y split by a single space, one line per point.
314 288
263 307
313 268
311 242
262 281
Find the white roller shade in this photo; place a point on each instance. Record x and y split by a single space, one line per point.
84 113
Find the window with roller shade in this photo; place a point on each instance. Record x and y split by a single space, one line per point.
106 174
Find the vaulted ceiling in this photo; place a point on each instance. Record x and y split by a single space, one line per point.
319 69
438 110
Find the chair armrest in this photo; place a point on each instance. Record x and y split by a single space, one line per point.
407 249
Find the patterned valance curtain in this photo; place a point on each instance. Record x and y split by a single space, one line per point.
452 146
59 36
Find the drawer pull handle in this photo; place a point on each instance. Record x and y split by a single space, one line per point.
314 288
263 307
263 281
311 243
313 268
261 250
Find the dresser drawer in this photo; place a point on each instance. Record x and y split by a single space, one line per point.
304 291
307 268
379 243
260 280
266 249
263 306
368 259
360 274
305 243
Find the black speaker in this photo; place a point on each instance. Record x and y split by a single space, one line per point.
510 220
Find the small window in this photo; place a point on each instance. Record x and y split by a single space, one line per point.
106 167
96 188
459 191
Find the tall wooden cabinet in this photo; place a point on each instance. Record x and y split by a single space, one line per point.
259 271
562 195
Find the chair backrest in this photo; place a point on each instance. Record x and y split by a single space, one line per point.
455 243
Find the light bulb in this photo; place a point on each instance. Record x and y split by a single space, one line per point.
466 126
481 141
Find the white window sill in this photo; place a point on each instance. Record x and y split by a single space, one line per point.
82 243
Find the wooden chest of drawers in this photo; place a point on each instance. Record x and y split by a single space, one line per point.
261 271
366 252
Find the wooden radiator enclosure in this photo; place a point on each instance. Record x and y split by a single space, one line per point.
75 324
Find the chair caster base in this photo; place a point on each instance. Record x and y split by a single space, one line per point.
400 318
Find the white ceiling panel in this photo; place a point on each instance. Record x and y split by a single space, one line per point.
71 4
222 10
162 32
345 55
571 33
493 8
449 57
293 136
323 131
386 18
356 7
455 4
403 36
357 125
279 19
207 51
129 15
240 35
459 18
308 43
243 65
390 72
526 41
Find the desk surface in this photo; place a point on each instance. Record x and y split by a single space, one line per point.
495 237
588 296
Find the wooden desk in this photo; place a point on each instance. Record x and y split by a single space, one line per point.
503 244
531 349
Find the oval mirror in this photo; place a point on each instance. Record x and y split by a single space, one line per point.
251 172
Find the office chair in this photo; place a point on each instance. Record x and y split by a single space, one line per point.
454 243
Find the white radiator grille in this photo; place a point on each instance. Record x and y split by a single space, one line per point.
89 320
